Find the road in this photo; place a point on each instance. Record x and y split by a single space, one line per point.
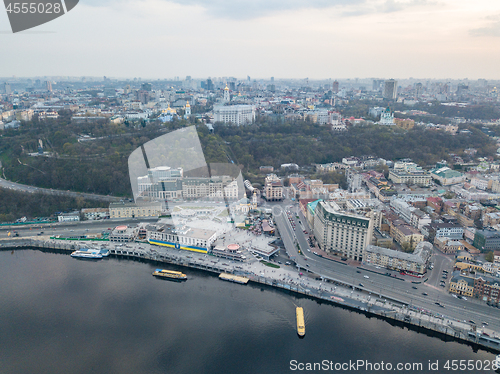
374 280
32 189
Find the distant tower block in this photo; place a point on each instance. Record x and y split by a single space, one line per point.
335 87
227 99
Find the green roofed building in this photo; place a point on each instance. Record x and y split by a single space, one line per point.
445 176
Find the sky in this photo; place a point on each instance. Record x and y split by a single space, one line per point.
317 39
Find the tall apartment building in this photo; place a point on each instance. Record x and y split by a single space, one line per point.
341 233
391 89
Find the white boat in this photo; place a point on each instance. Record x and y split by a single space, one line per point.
497 362
91 255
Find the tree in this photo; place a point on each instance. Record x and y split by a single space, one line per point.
489 256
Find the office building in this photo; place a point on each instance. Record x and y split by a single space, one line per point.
237 114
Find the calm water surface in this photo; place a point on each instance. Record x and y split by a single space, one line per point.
63 315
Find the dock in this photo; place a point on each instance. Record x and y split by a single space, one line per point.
233 278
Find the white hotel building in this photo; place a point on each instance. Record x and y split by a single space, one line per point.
237 114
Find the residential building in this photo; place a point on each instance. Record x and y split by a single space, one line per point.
419 219
462 285
133 210
487 240
448 246
449 230
487 288
413 263
406 124
406 235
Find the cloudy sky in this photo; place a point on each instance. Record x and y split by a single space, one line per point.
261 38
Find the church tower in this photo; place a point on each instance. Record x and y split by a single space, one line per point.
188 110
227 99
254 201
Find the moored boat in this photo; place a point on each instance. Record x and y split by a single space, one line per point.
89 255
169 274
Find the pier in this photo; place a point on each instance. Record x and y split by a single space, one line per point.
394 311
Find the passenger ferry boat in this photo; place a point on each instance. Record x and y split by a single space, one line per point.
89 255
301 326
170 274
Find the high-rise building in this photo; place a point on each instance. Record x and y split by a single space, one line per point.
48 86
6 88
377 84
391 89
419 89
146 87
209 86
342 233
335 87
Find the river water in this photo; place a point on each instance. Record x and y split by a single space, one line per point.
63 315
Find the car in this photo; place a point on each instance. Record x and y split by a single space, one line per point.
455 296
307 265
279 262
287 263
464 298
442 285
471 321
357 271
425 293
485 323
415 288
361 285
366 276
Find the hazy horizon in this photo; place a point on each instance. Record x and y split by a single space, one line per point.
282 38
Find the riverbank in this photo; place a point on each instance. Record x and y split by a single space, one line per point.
393 311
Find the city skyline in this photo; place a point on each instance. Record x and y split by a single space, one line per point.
320 40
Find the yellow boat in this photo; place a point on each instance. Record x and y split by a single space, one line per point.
301 325
169 274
